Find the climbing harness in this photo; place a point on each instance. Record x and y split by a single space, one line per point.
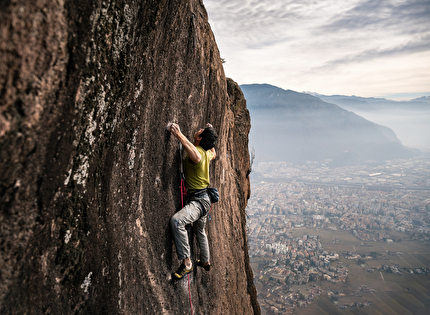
214 196
183 193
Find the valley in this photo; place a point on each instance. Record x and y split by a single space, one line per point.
352 240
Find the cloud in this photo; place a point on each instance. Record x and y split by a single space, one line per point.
403 16
266 43
414 46
254 23
310 44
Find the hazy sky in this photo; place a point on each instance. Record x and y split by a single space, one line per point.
355 47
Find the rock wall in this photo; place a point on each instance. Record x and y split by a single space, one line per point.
89 174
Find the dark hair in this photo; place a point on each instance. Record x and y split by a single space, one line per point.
209 138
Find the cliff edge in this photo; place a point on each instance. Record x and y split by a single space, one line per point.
89 174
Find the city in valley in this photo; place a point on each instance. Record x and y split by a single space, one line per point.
335 241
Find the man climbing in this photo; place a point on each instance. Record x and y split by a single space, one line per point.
196 167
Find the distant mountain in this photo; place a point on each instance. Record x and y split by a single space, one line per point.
298 127
371 103
425 99
410 120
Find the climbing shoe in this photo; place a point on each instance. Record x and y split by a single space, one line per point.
200 264
182 271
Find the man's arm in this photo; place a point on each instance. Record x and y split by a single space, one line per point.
191 150
213 152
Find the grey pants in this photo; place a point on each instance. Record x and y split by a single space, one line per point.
191 213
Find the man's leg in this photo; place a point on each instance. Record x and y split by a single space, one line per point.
188 214
199 230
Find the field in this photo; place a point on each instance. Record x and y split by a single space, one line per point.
394 294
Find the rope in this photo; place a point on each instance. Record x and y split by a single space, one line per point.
182 188
183 192
209 213
189 294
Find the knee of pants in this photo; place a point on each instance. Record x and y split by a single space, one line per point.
199 230
174 222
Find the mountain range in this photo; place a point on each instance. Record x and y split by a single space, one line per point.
372 103
298 127
408 119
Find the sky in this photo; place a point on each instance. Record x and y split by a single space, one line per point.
368 48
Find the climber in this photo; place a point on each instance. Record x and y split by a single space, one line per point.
196 167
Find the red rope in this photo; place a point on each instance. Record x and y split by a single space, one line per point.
209 213
189 294
183 191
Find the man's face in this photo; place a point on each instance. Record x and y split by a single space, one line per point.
198 133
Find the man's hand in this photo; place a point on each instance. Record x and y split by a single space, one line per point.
209 125
174 128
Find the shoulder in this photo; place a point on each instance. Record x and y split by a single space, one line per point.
201 150
210 154
205 153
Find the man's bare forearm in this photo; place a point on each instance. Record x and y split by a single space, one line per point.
191 150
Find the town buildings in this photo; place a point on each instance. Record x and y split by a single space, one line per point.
368 201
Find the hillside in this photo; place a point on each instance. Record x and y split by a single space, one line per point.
296 127
89 174
408 119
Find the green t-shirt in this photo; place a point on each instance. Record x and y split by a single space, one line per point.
197 175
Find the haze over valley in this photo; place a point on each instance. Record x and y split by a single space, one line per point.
410 120
296 127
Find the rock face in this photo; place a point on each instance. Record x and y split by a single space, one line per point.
89 174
